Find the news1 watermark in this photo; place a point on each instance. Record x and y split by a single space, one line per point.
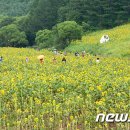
111 117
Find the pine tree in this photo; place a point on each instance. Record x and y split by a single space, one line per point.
43 15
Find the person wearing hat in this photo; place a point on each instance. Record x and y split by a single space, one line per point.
41 58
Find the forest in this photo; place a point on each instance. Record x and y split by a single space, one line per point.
49 23
14 7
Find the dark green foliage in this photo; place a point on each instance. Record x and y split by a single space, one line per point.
44 14
65 32
24 26
14 7
11 36
97 14
44 38
61 35
6 21
86 27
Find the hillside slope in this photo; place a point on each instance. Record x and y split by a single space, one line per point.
119 44
14 7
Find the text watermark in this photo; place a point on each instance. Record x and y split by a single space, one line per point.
109 118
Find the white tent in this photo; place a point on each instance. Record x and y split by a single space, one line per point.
104 39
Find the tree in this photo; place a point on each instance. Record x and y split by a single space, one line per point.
44 38
65 32
24 26
97 14
14 7
6 21
73 10
43 15
11 36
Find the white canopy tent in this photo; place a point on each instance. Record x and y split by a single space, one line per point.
104 39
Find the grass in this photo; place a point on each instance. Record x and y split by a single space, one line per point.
118 46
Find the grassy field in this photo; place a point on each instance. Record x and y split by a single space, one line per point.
119 45
60 96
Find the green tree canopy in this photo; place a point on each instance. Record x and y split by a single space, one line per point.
43 15
11 36
15 7
44 38
65 32
96 13
4 21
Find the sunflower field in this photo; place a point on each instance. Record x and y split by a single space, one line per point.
48 96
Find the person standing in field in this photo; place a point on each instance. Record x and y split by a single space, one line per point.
1 59
97 60
54 60
77 54
65 53
27 59
55 52
41 58
83 53
64 60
